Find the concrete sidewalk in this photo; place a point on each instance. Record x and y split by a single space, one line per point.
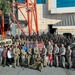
26 71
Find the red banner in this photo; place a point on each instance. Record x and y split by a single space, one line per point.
40 45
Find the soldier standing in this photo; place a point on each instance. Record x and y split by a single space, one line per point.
50 49
36 52
62 52
44 52
16 53
68 56
56 51
29 54
23 53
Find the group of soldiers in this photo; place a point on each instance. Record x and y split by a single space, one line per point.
21 53
26 52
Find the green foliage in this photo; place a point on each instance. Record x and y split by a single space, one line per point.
5 6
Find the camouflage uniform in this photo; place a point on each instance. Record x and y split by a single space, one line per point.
68 55
38 64
23 53
56 51
29 54
36 52
44 52
62 52
16 53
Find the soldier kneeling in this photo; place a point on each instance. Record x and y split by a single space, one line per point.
38 64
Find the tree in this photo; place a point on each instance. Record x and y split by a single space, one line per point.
5 8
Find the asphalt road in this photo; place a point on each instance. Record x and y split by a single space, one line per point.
26 71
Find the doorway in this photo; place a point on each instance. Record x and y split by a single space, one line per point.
51 29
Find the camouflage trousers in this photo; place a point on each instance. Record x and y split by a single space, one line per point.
29 59
69 61
16 61
44 61
23 62
62 61
56 63
40 66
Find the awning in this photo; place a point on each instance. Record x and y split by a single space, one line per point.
69 21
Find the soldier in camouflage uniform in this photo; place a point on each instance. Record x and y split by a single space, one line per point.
36 52
62 52
16 53
38 63
55 52
68 56
23 53
44 52
29 54
50 49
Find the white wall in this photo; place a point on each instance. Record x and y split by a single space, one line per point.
65 29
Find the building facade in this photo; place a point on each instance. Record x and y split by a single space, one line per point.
56 13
